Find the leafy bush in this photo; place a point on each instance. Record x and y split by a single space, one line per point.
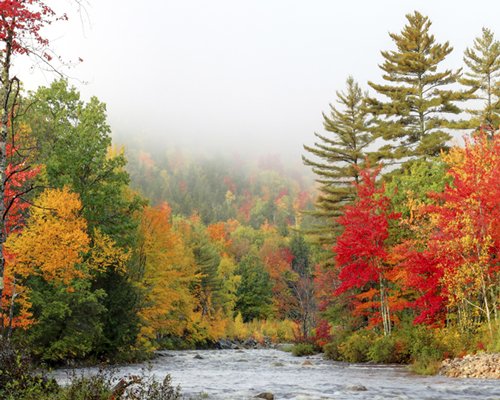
303 349
356 347
18 379
332 349
389 350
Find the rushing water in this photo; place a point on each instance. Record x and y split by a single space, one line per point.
242 374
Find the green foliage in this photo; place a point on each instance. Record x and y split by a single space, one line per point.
334 159
74 143
389 350
482 77
255 291
18 377
414 183
207 260
68 322
426 347
332 349
303 349
356 347
120 323
413 119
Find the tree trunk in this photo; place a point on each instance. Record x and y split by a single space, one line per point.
4 103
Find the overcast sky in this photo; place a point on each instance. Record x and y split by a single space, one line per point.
230 74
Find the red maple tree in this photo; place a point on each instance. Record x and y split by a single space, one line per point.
361 251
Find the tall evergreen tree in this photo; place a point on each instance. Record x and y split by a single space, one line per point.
483 77
334 159
413 119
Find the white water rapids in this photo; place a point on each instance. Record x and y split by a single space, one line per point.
243 374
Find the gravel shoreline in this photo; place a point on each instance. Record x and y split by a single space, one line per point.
482 365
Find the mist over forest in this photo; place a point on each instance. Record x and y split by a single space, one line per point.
249 183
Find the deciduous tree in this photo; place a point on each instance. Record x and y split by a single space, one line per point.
361 251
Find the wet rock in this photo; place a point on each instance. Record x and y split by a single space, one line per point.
278 364
250 343
198 357
357 388
307 363
483 365
265 395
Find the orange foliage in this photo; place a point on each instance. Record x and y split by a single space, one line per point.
169 270
51 245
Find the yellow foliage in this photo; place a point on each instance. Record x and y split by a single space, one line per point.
54 240
168 272
105 255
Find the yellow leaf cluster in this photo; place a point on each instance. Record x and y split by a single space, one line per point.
54 240
105 254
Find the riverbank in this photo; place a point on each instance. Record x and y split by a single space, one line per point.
242 374
483 365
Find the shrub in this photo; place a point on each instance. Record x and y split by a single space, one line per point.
303 349
355 348
332 349
18 379
389 350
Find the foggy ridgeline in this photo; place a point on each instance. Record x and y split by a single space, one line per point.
391 255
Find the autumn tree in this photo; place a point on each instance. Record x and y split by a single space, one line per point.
417 97
466 240
49 252
483 78
21 24
334 159
18 184
73 141
302 285
361 251
168 272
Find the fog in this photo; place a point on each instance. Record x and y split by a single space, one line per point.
247 77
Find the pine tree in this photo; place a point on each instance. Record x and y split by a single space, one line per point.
335 158
413 119
483 77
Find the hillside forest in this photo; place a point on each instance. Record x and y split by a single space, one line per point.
111 251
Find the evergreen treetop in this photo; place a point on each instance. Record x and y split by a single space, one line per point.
335 157
483 77
419 99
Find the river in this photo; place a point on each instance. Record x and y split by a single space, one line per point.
242 374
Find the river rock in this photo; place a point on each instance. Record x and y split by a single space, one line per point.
250 343
357 388
483 365
198 357
265 395
307 363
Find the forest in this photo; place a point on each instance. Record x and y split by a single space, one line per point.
111 251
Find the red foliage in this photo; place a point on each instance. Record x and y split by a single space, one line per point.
17 175
21 23
361 251
322 334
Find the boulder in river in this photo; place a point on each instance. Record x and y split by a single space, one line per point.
357 388
265 396
198 357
